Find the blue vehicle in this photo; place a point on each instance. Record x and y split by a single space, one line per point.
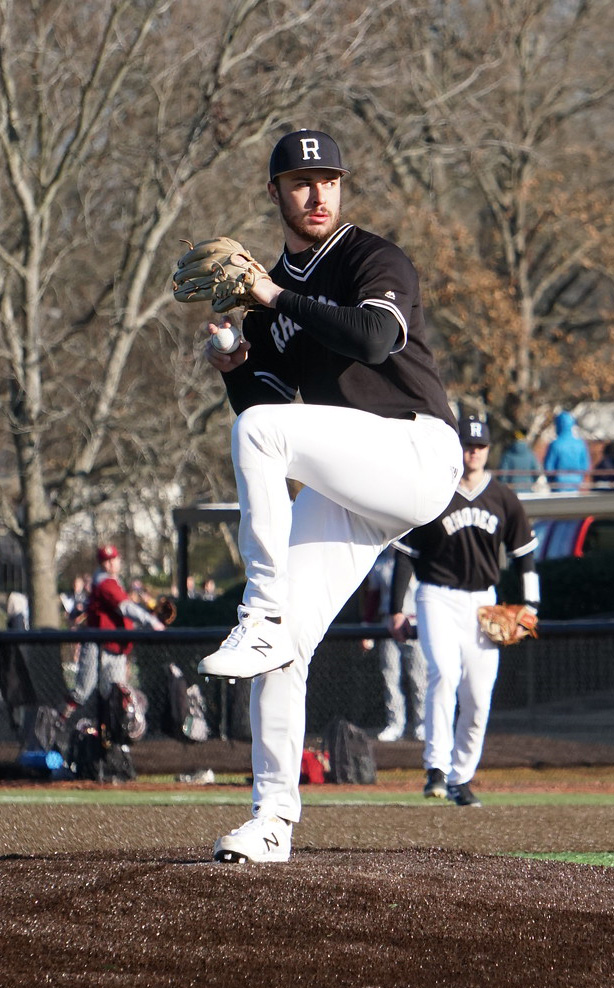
559 538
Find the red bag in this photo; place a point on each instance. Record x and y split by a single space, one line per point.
314 765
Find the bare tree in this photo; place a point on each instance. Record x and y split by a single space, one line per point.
493 133
116 123
124 127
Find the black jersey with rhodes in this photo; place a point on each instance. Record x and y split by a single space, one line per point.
461 548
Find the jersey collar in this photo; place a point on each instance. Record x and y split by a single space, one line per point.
471 495
302 273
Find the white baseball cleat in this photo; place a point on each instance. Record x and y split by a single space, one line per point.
259 840
254 646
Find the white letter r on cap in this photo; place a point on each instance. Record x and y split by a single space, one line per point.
311 148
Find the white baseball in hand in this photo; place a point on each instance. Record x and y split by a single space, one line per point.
227 339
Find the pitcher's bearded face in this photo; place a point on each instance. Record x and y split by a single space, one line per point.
310 203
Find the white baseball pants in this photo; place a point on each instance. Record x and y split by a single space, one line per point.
368 480
462 666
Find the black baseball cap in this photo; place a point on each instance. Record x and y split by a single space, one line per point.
305 149
474 432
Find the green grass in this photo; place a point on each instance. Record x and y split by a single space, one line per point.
241 795
119 797
236 792
604 859
380 798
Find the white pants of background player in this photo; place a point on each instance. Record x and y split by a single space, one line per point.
462 665
113 669
398 662
368 480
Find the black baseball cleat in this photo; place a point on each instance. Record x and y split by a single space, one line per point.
462 795
435 787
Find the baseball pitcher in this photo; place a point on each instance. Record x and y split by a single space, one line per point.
338 323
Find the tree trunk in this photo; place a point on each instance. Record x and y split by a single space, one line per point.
42 576
39 528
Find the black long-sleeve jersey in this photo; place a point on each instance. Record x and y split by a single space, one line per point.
461 548
348 330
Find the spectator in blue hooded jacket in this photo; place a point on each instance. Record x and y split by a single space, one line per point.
567 456
519 459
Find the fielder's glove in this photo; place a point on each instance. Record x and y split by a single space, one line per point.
165 610
220 271
507 624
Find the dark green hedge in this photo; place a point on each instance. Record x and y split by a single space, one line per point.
570 587
221 612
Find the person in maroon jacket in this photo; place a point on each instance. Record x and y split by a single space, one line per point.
109 606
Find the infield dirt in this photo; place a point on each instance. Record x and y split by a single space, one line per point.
373 897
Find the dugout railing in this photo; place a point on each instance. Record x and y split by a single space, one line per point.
556 690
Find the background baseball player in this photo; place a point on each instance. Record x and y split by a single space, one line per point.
109 606
456 559
341 324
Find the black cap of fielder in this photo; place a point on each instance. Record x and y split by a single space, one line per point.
473 432
305 149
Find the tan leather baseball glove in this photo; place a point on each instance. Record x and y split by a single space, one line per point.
220 271
507 624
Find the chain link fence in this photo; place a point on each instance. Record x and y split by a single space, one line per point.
556 691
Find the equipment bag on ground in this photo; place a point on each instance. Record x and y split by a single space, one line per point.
89 758
185 717
124 713
351 753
